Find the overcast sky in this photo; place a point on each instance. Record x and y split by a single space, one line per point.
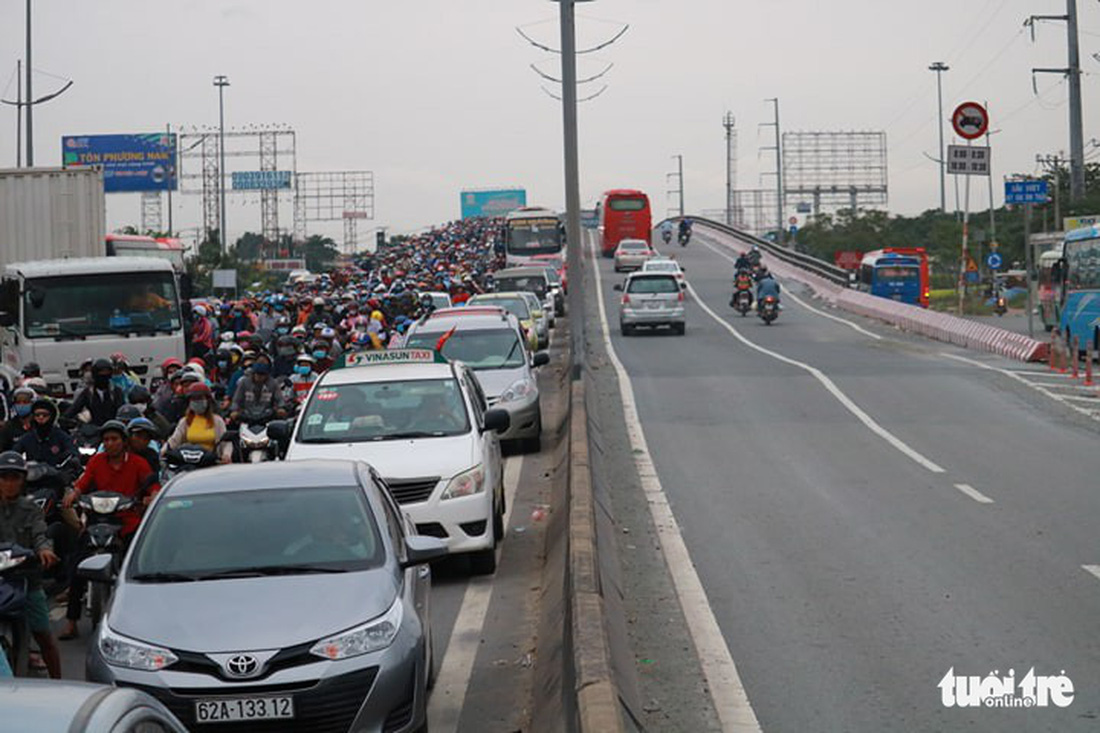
436 95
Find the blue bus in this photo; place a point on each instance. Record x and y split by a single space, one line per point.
893 275
1080 278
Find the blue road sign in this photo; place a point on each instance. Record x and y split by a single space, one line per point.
994 261
794 230
1026 192
972 277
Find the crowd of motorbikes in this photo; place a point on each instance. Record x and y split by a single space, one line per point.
750 272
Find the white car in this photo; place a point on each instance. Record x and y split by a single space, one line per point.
424 423
668 266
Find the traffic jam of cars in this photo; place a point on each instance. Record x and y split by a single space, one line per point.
250 532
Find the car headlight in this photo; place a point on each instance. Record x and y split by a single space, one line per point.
122 652
518 391
466 483
370 637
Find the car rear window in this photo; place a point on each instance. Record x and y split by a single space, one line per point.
634 245
659 284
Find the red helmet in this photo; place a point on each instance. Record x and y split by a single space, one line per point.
170 362
198 388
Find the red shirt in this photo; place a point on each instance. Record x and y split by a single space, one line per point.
126 478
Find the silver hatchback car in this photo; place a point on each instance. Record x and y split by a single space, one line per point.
651 299
289 594
631 254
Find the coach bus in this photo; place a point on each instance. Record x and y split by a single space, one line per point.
897 273
623 214
1050 288
163 248
530 231
1079 273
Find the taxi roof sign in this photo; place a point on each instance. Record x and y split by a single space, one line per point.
392 356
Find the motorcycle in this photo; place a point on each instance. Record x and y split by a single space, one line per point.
742 294
103 534
254 445
666 235
685 237
187 458
46 485
769 309
1001 306
14 632
86 441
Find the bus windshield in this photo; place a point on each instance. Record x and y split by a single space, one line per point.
93 305
1083 264
534 236
627 204
898 272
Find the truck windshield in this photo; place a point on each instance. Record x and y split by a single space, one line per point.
92 305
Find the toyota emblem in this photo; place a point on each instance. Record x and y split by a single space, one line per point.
242 666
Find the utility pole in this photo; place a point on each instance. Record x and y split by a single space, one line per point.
729 123
172 176
939 67
19 114
1054 163
30 95
679 190
992 217
221 82
1073 72
778 171
572 178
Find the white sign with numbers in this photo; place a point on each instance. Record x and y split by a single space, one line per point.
967 160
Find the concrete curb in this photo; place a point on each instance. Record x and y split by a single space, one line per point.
931 324
597 695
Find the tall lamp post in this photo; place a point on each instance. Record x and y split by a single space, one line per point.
221 82
939 67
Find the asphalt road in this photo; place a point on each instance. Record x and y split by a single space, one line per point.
485 629
846 568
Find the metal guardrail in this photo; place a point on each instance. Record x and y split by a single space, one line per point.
818 267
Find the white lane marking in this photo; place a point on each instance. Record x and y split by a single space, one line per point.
731 702
803 303
974 493
1012 375
1094 569
834 390
449 694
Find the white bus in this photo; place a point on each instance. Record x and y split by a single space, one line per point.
532 231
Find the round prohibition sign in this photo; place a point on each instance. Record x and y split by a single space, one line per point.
970 120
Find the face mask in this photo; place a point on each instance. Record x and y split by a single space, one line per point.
282 330
318 354
101 380
302 369
22 410
198 406
287 351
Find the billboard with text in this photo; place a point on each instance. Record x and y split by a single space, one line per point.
131 163
494 202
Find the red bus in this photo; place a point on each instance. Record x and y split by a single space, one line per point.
623 214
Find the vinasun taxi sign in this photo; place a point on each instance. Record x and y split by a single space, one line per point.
394 356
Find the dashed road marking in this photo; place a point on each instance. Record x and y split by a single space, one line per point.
1094 569
726 690
974 493
1041 389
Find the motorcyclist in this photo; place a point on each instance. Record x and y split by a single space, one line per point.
766 286
45 442
22 523
666 230
201 425
743 262
303 377
754 255
100 398
143 437
257 392
140 398
19 422
117 469
286 351
685 226
122 377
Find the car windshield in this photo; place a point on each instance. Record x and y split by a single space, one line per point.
373 411
530 283
660 284
93 305
553 276
257 532
515 304
478 348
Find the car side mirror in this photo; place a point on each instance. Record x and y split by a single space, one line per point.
497 420
541 358
420 550
97 568
617 287
279 431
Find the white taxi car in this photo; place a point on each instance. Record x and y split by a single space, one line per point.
425 425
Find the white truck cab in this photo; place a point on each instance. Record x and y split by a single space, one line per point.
60 313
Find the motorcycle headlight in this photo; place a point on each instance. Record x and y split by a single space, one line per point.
86 450
518 391
466 483
257 443
119 651
104 504
372 636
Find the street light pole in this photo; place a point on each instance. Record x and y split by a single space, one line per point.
939 67
30 95
572 180
221 82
